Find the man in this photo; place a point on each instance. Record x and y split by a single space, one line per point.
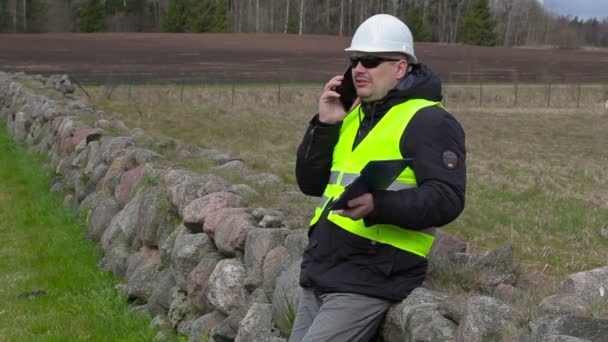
361 260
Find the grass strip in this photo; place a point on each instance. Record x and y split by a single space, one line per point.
50 287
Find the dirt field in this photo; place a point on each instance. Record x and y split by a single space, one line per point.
245 58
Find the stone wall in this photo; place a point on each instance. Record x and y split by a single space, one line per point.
194 256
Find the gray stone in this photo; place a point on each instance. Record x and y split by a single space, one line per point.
505 292
485 319
166 248
258 243
64 167
89 204
113 147
166 227
207 153
102 216
562 304
141 282
275 262
165 335
420 296
271 221
424 323
286 296
391 328
103 124
256 326
586 328
213 220
227 329
235 165
453 308
111 180
56 184
21 126
213 183
152 213
82 155
264 179
296 242
123 224
243 190
562 338
198 281
224 158
196 212
188 251
116 256
161 293
258 296
160 322
445 244
590 285
184 187
499 260
259 213
184 327
98 173
231 233
417 318
202 327
226 291
491 280
180 309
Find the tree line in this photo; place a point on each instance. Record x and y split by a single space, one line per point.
480 22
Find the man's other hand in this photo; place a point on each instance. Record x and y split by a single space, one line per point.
358 207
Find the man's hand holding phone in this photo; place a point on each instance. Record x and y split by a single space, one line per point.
339 96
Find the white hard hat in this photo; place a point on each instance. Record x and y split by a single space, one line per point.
384 33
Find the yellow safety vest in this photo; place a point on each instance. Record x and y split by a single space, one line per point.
381 143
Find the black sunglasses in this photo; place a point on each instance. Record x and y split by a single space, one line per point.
369 62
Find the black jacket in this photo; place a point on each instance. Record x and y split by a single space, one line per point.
338 261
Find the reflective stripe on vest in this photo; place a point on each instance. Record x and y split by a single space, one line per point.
382 142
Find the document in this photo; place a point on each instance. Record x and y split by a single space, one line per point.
376 175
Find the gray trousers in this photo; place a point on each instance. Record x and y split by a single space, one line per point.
337 317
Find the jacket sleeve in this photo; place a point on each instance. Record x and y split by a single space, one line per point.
314 156
436 142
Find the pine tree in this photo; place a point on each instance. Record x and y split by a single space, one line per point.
175 21
417 25
207 16
91 16
478 27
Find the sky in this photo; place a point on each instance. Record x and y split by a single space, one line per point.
584 9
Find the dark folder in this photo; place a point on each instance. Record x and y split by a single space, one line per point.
376 175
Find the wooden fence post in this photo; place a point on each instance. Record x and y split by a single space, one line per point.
480 91
515 88
549 95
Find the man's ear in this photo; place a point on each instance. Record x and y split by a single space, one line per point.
402 69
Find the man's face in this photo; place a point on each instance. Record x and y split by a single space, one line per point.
375 73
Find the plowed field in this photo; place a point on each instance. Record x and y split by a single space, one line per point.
251 58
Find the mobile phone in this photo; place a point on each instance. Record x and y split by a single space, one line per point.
347 90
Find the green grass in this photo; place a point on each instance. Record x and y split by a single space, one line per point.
50 287
536 177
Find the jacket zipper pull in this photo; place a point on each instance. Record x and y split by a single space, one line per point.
311 133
